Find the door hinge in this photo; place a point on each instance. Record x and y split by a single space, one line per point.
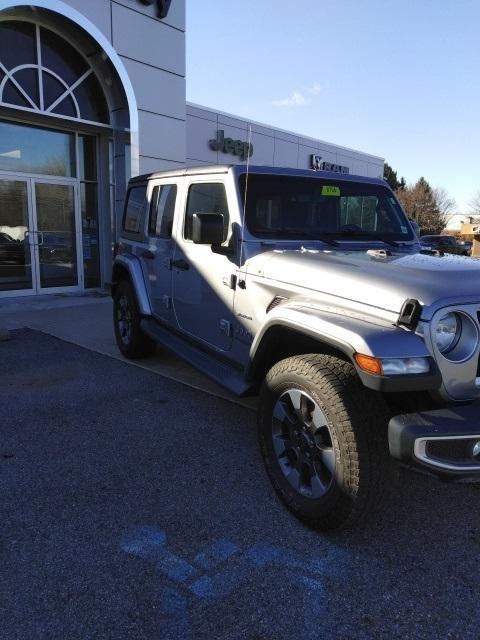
226 327
166 302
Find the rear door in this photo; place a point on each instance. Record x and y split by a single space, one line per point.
156 257
202 286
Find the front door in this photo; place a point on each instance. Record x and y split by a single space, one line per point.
201 279
39 249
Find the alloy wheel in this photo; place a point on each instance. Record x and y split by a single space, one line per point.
124 319
303 443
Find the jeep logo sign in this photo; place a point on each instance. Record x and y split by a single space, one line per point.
162 6
228 145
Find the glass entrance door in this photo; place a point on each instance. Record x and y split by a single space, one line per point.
39 243
17 271
55 235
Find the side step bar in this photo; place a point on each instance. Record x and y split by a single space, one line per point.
227 376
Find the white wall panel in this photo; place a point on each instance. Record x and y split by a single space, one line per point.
284 135
205 114
226 121
305 156
145 40
286 154
175 17
97 11
263 129
199 132
328 154
375 170
157 90
152 165
346 161
359 168
263 149
162 137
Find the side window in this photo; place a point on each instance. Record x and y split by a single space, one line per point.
206 198
136 202
162 209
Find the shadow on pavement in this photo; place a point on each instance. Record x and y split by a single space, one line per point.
135 507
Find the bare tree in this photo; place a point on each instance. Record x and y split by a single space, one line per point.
474 204
444 202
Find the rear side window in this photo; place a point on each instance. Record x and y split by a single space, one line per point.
206 198
162 209
136 203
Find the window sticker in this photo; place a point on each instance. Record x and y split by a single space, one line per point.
330 191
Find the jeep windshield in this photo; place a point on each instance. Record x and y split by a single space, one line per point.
293 208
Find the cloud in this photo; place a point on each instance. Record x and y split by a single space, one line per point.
297 98
314 89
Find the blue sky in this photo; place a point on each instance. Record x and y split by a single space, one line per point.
399 79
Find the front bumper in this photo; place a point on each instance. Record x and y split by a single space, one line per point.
445 442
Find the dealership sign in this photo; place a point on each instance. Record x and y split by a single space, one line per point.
162 6
229 145
318 165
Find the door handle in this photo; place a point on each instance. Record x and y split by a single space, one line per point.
181 264
149 255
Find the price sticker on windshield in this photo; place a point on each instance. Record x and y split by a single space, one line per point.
330 191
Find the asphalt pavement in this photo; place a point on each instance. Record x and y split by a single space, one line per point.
135 507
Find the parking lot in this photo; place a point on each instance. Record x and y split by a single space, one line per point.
134 506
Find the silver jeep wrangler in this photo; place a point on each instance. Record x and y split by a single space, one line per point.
311 290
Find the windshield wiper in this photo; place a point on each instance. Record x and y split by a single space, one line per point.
369 236
300 233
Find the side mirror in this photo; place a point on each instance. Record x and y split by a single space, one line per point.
207 228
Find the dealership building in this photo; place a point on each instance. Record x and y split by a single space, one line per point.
91 93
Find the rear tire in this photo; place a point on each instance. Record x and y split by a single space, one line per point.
323 438
131 340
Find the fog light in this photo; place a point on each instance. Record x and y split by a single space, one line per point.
476 451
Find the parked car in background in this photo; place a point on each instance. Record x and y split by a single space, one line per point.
12 252
467 245
445 244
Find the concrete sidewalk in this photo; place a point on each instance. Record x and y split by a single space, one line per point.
86 320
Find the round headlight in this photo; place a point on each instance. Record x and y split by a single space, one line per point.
447 332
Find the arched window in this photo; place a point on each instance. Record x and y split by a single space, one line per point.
42 72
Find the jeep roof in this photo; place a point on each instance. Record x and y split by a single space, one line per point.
207 169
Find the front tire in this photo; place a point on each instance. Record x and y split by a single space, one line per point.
323 438
131 340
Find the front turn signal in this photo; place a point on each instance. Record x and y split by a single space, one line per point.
369 364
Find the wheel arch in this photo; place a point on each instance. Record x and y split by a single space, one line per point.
283 340
129 268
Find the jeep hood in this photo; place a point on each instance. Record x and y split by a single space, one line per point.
382 282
